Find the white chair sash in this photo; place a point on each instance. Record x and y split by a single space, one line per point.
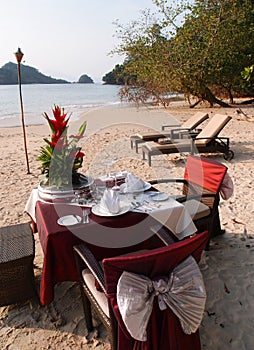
227 187
183 291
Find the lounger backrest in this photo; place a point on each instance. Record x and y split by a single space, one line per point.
195 120
213 128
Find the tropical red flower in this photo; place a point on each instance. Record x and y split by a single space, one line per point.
77 137
80 155
77 155
64 154
58 143
57 113
59 125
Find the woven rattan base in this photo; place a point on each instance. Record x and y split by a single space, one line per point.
17 282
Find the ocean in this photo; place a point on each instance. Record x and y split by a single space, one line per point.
39 98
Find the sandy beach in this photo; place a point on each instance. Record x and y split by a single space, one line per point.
228 267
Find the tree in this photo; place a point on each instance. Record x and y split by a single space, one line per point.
198 49
117 76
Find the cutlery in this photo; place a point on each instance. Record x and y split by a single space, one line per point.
77 218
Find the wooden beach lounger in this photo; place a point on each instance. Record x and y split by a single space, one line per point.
207 141
188 125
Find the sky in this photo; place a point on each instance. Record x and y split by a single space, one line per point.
65 38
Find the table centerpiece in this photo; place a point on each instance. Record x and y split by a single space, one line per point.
61 158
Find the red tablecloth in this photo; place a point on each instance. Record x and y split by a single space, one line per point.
58 241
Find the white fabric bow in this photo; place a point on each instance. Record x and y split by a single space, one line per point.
183 291
227 187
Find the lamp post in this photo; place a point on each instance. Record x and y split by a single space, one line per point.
19 56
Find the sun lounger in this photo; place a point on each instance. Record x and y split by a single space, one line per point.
175 130
207 141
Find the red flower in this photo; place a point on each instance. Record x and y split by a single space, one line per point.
78 137
80 155
77 155
57 143
57 113
59 124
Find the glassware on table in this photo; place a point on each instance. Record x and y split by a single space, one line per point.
116 187
85 215
79 197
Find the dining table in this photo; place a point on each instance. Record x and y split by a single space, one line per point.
106 235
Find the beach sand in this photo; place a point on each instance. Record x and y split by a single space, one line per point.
228 267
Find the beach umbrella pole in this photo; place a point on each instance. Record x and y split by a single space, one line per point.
19 56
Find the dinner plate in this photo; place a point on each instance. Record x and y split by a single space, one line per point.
146 187
160 196
69 220
98 210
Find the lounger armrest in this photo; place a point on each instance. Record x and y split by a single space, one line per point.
213 138
87 257
179 130
169 126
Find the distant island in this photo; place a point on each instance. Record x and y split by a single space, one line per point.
85 79
30 75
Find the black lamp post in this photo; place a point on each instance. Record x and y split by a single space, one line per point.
19 56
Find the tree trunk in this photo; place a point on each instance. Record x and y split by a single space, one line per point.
195 104
207 95
231 98
247 102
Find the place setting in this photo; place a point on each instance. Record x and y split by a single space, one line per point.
73 219
112 199
118 199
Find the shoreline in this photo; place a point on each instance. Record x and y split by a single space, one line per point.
226 267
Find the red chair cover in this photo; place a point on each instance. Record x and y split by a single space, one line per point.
204 172
164 330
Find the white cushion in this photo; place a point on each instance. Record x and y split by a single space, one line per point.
99 296
196 209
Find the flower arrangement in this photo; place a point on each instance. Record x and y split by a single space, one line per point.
61 157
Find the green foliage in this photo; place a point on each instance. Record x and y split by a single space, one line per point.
118 76
247 73
197 48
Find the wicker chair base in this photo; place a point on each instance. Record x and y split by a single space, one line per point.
17 281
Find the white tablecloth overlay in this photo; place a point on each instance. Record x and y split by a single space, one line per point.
168 213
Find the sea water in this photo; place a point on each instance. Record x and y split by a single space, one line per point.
40 98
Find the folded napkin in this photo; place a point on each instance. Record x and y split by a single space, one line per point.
133 183
110 201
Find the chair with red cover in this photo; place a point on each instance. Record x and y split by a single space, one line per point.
202 183
164 330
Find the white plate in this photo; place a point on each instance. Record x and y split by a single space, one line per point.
69 220
160 196
97 210
146 187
